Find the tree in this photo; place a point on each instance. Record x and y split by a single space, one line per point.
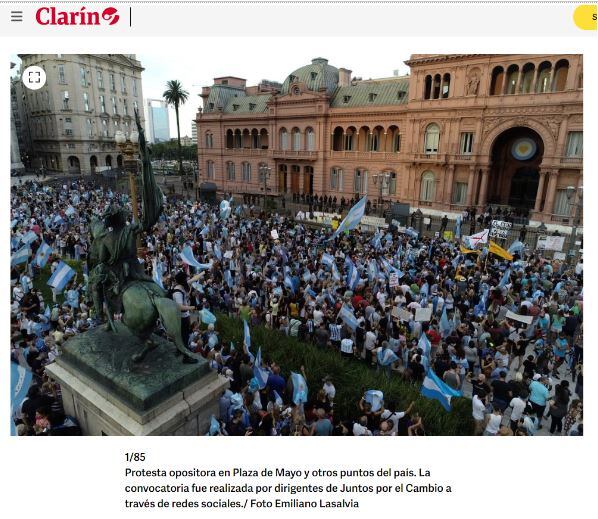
176 96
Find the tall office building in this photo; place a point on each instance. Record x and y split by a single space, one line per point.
158 127
72 119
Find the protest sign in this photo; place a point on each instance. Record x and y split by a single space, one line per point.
500 229
423 314
393 280
527 319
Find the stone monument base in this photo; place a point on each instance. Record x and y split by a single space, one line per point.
110 395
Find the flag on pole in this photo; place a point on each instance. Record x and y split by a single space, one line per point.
157 273
351 221
187 257
375 398
246 335
21 256
471 242
352 276
348 317
424 344
499 251
260 374
436 389
20 381
516 247
43 253
299 388
61 276
505 279
445 325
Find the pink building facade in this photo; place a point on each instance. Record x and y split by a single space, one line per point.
458 131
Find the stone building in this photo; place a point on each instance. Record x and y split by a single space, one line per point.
457 131
72 119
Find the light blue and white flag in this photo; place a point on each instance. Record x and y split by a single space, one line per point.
516 247
445 325
187 257
20 381
352 276
205 231
29 238
13 223
246 336
207 317
351 221
288 282
157 272
21 256
436 389
373 270
43 253
61 276
299 388
387 357
424 345
348 317
228 278
375 398
335 273
506 279
480 308
328 260
217 251
458 227
225 209
260 374
58 220
70 211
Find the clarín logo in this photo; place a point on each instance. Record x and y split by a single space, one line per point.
53 16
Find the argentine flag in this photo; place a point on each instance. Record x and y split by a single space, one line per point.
375 398
207 317
62 275
299 388
348 317
43 253
328 260
386 357
516 247
445 325
20 381
187 257
351 221
157 273
260 374
505 279
352 276
29 238
21 256
436 389
458 228
70 211
335 273
424 344
246 336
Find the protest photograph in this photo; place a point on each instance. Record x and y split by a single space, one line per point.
300 251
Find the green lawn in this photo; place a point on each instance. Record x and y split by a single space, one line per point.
351 378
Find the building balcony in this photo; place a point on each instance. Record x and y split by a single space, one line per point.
572 161
361 155
430 157
295 154
252 152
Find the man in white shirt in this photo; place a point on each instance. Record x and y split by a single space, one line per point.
393 416
518 404
347 348
478 412
494 421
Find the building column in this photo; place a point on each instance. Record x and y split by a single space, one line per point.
482 196
550 192
448 185
418 187
538 204
409 191
470 186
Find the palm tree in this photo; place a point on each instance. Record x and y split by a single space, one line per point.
175 95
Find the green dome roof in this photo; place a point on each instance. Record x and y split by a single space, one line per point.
315 76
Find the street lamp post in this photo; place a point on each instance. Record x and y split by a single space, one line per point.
576 206
382 180
129 147
265 172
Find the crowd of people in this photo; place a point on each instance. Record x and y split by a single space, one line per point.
507 332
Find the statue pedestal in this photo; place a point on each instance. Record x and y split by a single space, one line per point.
110 395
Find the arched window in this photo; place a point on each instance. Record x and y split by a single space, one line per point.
561 70
336 179
209 170
349 138
310 139
230 170
246 171
374 139
446 85
527 78
436 86
264 139
428 187
498 76
296 139
512 76
229 139
428 87
209 140
238 139
284 139
543 82
431 138
255 139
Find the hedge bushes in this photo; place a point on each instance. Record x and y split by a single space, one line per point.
351 378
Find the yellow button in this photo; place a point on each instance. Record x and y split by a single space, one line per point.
584 17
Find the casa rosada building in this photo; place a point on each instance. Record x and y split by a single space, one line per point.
457 131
